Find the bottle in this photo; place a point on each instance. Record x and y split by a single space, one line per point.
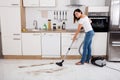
63 26
49 24
54 26
45 27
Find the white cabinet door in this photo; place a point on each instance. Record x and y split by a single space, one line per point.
50 44
9 2
31 43
67 40
10 21
99 44
11 30
31 3
47 3
11 45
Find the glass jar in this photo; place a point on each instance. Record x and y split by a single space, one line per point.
54 26
49 24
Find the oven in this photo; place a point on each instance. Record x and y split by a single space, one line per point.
100 21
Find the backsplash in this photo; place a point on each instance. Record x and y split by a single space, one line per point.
41 15
56 16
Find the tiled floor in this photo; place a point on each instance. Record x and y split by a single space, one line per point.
46 70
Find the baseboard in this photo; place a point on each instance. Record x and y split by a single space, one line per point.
39 57
21 57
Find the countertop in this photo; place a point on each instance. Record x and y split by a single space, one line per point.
50 31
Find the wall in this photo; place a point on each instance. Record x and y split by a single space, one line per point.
43 14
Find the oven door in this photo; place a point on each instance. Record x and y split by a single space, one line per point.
100 24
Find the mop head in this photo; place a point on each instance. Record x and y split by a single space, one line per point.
60 63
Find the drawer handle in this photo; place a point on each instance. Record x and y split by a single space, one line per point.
16 34
14 4
16 38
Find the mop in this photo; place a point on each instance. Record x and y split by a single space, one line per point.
61 63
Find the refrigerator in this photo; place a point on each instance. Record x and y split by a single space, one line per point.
114 32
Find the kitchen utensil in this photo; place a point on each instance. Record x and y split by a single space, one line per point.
65 15
35 24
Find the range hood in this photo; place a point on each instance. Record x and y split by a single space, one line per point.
74 3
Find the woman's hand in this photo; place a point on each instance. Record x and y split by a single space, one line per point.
74 38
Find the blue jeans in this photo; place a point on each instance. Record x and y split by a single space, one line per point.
87 47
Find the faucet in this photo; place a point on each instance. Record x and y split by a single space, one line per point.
35 24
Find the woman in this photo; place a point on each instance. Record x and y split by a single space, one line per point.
84 22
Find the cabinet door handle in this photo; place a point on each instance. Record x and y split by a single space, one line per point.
16 38
16 34
14 4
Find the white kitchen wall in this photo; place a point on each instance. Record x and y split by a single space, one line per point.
37 13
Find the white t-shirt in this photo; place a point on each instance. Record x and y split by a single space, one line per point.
85 23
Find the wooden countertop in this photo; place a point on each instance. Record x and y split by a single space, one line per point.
49 31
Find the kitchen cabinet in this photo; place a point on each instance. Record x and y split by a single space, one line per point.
67 40
51 45
39 3
31 43
47 3
9 2
11 45
10 21
31 3
11 30
99 44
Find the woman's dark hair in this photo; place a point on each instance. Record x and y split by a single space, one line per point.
75 18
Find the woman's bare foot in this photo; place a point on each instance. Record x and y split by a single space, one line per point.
78 63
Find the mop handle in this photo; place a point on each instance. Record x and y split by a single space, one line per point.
68 50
